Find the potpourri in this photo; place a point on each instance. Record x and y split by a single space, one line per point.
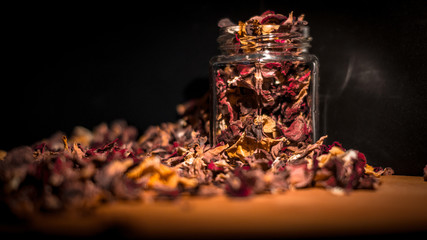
112 162
265 99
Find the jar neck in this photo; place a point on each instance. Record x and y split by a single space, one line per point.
244 39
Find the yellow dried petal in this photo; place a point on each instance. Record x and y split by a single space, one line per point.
269 125
170 180
188 182
164 170
242 148
267 29
157 173
370 170
65 141
153 180
335 151
323 159
147 164
246 146
217 150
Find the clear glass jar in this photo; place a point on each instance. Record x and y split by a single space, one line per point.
264 84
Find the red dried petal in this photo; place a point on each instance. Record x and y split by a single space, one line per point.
272 65
296 131
361 157
245 70
273 19
213 167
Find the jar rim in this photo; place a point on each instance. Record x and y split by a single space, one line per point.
268 29
272 37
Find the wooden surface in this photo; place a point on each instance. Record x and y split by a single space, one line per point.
399 206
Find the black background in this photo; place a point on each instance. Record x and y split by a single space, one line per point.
75 64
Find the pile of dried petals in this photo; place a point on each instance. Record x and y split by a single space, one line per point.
111 162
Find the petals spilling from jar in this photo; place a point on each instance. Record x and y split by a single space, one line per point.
264 145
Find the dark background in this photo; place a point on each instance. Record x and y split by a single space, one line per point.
78 64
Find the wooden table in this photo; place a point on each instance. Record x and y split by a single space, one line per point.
398 207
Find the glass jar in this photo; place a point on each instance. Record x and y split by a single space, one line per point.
264 85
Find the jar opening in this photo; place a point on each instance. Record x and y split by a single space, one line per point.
275 38
268 32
